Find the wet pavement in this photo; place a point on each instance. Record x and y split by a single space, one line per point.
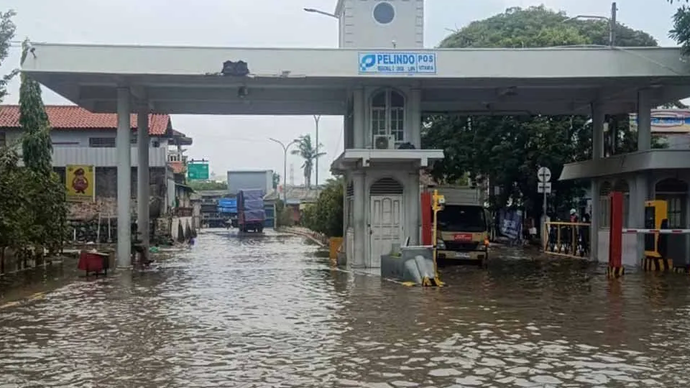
269 312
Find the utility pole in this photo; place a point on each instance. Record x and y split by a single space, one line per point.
292 174
317 118
285 152
612 25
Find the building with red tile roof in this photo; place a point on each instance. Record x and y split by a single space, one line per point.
70 117
81 137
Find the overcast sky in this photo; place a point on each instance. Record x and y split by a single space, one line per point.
239 142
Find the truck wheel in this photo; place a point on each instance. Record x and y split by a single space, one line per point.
261 229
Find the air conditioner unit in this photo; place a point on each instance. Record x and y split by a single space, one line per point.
384 142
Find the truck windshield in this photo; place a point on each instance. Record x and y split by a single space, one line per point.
455 218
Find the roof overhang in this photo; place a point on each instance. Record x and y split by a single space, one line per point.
658 159
180 139
338 8
186 80
353 159
184 187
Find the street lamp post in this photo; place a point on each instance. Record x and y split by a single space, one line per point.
324 13
316 120
285 151
612 22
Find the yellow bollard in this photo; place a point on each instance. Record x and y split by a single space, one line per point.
334 245
437 202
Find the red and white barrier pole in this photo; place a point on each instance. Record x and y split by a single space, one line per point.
660 231
615 268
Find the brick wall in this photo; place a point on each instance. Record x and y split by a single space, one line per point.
106 194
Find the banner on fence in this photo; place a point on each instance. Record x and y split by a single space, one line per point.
511 223
80 182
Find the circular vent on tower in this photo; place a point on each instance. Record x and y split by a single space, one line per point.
384 13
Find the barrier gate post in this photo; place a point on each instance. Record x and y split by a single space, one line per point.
615 268
426 218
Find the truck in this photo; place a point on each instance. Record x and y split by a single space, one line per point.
250 210
463 226
227 209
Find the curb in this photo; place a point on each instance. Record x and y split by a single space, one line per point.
303 234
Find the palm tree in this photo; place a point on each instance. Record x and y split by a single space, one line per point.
309 153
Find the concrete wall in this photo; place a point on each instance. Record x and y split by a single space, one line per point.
359 29
180 222
629 256
106 193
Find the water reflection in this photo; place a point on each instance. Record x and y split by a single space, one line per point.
267 311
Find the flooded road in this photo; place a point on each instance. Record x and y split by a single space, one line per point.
267 312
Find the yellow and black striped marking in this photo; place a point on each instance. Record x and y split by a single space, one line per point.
615 272
34 297
657 264
426 282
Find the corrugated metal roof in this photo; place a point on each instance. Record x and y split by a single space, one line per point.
102 157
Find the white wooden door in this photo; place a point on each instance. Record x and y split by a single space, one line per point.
386 227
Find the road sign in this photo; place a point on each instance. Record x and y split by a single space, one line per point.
544 174
544 187
197 171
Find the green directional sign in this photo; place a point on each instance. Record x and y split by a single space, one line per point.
197 171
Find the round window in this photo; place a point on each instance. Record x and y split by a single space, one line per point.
384 13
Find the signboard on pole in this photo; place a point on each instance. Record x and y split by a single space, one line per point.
198 171
544 187
80 182
544 174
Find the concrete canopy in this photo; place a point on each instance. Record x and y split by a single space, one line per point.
186 80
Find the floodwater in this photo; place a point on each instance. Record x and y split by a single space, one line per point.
268 312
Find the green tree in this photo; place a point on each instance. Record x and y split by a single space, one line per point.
44 191
276 181
283 214
326 216
36 144
7 30
13 204
307 151
680 31
508 150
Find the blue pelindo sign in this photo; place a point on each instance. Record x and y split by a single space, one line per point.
397 63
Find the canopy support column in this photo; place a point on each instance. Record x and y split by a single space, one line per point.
124 178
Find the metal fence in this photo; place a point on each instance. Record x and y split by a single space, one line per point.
569 239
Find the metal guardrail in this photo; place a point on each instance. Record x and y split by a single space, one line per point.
570 239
